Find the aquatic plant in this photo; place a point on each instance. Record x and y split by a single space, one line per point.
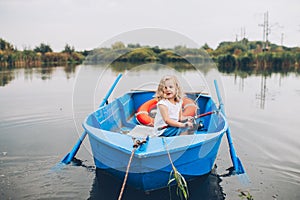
182 188
244 195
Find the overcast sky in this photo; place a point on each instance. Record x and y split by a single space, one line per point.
86 24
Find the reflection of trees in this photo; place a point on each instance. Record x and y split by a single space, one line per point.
69 70
243 73
122 66
276 62
44 73
6 76
178 66
204 67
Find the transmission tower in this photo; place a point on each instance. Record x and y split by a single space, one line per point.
266 31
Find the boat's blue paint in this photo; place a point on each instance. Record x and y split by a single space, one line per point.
237 164
193 155
69 157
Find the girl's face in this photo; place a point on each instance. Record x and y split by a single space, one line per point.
169 89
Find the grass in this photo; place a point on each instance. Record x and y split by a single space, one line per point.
245 195
182 188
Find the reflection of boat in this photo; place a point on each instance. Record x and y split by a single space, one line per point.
113 126
203 187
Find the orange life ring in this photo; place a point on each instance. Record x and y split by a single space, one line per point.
142 114
189 108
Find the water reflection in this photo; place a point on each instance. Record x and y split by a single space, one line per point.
107 187
9 74
178 66
262 95
241 82
69 70
44 73
6 77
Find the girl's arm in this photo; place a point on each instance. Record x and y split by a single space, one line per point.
184 118
165 115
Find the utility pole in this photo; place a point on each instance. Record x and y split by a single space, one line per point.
281 40
243 33
266 31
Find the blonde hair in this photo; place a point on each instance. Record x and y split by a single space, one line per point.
160 89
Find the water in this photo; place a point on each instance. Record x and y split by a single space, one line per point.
41 111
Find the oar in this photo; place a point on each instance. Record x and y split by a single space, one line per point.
69 157
237 164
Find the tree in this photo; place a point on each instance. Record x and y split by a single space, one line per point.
206 47
118 45
134 46
68 49
5 45
43 48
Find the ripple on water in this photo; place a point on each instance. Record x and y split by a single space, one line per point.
32 178
37 118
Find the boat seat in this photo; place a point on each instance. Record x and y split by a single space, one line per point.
140 131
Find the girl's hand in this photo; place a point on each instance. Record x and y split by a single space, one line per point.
188 124
190 119
187 119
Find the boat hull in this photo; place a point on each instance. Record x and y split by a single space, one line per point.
150 168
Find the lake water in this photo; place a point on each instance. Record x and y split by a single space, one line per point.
41 111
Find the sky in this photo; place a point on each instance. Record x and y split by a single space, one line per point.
86 24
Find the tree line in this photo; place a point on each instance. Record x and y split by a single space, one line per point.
247 55
244 55
241 55
41 55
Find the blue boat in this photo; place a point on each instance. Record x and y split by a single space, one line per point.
113 130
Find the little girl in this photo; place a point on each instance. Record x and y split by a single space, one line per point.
169 109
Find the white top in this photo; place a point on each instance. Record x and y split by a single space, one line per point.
173 110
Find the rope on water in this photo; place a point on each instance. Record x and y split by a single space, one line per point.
135 146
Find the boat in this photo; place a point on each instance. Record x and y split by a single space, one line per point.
121 145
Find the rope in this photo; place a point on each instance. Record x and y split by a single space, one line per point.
135 146
126 174
165 145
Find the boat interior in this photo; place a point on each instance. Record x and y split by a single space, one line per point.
120 114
